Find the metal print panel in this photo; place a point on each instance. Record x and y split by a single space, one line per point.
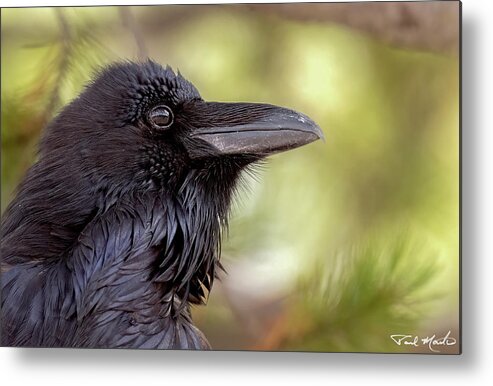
277 177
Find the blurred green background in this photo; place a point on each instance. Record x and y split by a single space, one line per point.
335 246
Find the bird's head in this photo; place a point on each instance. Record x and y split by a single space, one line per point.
141 125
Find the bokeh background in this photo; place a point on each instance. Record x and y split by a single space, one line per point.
334 246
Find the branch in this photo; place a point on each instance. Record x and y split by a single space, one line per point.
66 50
128 21
428 25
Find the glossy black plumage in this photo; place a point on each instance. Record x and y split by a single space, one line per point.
116 229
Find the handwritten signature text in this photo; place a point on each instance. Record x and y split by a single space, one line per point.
433 342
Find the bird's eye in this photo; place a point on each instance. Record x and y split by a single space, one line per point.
161 117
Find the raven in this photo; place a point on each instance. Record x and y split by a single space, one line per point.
115 230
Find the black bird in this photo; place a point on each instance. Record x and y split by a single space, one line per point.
115 230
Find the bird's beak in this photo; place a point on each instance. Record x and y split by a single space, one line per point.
250 128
